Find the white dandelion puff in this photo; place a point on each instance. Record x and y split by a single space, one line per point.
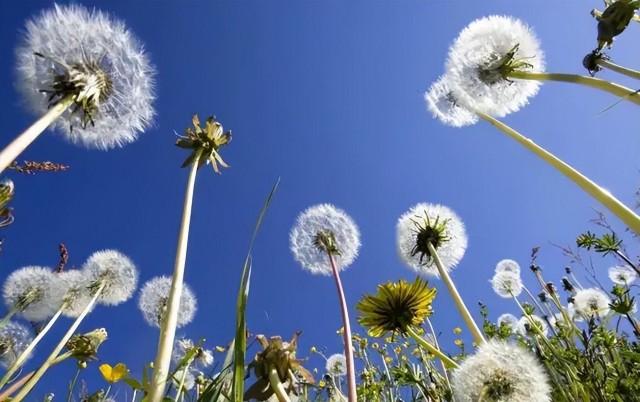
508 319
435 224
14 340
115 272
33 292
443 106
507 284
318 228
153 299
482 56
531 325
70 50
622 275
202 357
508 266
78 293
501 372
591 302
337 365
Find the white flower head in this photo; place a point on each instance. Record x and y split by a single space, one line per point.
507 284
14 339
69 50
509 320
78 294
321 230
337 365
153 302
189 379
443 106
116 271
622 275
591 302
501 372
202 357
531 325
480 57
508 266
573 313
34 292
557 321
431 224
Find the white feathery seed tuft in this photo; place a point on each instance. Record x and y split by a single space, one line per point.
507 284
116 271
202 357
622 275
443 106
508 266
153 302
508 319
78 294
532 325
34 291
14 338
337 365
324 218
591 302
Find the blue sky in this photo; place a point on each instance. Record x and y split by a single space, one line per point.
327 96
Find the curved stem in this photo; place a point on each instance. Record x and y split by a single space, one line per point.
277 386
457 300
7 317
348 350
17 146
606 198
431 349
618 68
23 356
170 320
606 86
52 357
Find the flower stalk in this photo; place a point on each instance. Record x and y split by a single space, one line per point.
431 349
605 63
277 386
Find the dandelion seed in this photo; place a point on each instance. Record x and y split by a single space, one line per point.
71 51
507 284
323 229
14 339
501 372
33 292
116 272
443 106
153 302
481 58
508 266
591 303
434 224
337 365
622 275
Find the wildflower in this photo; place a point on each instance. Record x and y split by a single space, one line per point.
430 224
622 275
14 339
85 346
182 347
77 294
507 284
483 56
591 303
153 302
396 307
337 365
115 272
205 143
508 266
321 230
443 106
33 292
70 51
531 325
501 372
457 330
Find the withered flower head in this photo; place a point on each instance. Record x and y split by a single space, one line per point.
85 346
205 143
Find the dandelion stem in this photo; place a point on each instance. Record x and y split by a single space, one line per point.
451 287
170 320
277 386
23 356
52 359
348 350
8 316
7 393
606 86
606 198
618 68
431 349
72 385
17 146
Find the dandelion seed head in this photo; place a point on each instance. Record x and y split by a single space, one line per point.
443 106
318 229
34 291
14 340
507 284
591 302
508 266
337 365
202 357
532 325
478 58
153 302
78 294
103 59
435 224
504 372
116 271
189 379
508 319
622 275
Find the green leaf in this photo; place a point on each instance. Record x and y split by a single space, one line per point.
133 383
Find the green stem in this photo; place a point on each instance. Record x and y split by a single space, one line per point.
277 386
606 86
457 300
17 146
435 342
52 357
348 349
7 317
431 349
170 319
603 196
183 377
23 356
618 68
72 385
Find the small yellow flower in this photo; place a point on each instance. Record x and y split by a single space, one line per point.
114 374
457 330
415 352
313 349
340 331
404 358
375 345
388 339
220 349
388 359
397 350
458 342
322 384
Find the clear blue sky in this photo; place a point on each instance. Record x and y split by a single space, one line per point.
328 96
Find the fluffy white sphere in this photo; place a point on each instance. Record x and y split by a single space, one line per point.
507 284
34 291
153 302
508 266
591 302
77 296
443 106
337 365
622 275
15 338
116 271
